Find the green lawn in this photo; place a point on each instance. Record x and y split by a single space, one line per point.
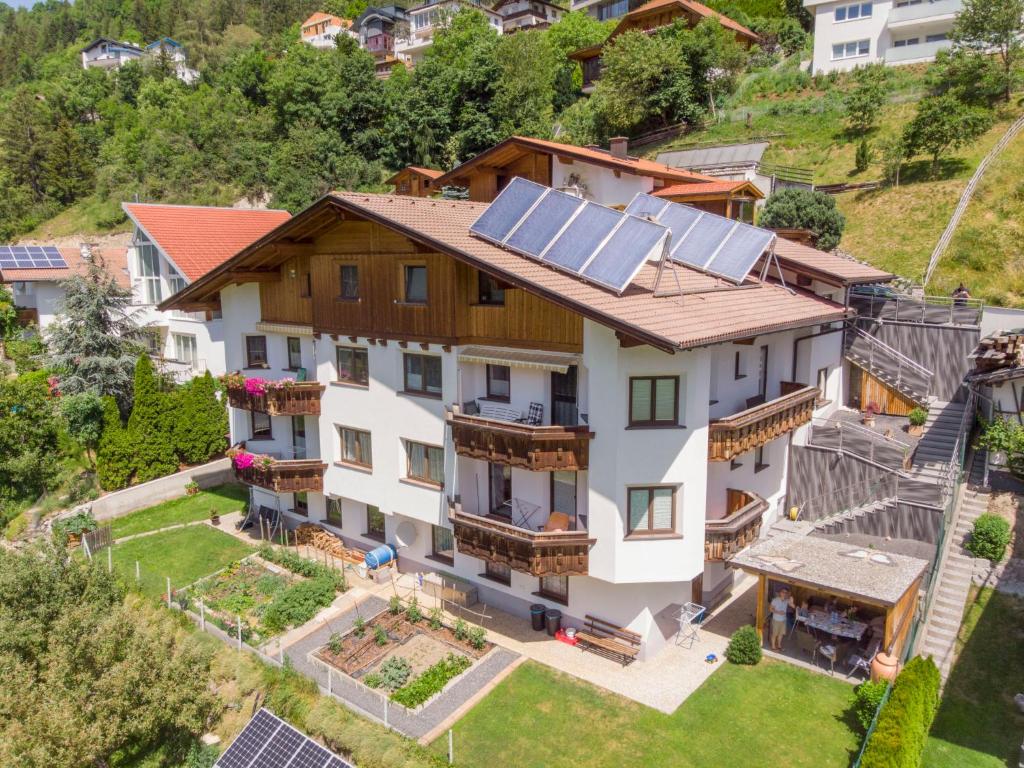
978 725
223 498
184 554
774 714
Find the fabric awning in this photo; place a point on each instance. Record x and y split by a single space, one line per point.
514 358
285 328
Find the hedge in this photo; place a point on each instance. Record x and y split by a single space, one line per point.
903 724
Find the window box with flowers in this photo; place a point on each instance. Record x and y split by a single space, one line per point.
277 397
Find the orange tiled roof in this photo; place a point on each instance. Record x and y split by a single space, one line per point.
846 270
198 238
721 186
698 8
319 16
115 260
433 173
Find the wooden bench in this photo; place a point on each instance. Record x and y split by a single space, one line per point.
605 639
500 412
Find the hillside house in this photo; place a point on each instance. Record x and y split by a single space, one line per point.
517 15
415 180
106 53
377 27
848 35
173 52
172 247
321 30
650 16
426 19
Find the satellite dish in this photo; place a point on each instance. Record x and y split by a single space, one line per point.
405 534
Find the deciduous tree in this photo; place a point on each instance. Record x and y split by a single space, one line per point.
943 124
987 26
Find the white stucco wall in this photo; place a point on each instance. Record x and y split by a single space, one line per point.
602 185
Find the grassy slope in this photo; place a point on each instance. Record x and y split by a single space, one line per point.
223 498
978 725
772 714
184 554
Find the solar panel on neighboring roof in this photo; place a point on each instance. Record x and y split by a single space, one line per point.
269 742
31 257
711 243
596 243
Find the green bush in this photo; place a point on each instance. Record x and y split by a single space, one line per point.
392 675
863 157
380 636
201 420
478 637
435 618
902 726
395 605
744 646
298 604
867 697
431 681
989 537
359 626
75 525
917 417
461 629
805 209
413 612
336 644
150 426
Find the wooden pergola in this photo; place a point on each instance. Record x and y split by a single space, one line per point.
887 581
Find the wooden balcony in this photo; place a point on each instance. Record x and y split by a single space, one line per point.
285 475
537 553
760 424
298 399
27 316
724 538
541 449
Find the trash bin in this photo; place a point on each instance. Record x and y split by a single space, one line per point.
537 616
554 620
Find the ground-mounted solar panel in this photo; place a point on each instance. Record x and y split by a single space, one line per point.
251 741
269 742
574 247
547 219
624 254
508 208
740 252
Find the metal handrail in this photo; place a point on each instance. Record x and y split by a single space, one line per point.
845 427
871 487
874 341
914 306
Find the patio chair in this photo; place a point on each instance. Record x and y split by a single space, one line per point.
859 661
557 521
534 415
522 511
806 642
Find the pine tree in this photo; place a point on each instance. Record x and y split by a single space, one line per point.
201 421
114 455
149 427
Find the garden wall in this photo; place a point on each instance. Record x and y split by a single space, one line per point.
162 489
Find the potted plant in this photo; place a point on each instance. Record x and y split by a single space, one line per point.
214 517
191 488
917 418
870 412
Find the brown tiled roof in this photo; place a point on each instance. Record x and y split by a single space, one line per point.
710 311
198 238
430 173
722 186
699 8
829 265
115 261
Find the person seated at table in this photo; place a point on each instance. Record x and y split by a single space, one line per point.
780 605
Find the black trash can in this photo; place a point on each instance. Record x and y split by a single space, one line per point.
554 620
537 616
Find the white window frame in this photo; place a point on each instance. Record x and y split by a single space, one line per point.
149 272
858 7
190 340
857 50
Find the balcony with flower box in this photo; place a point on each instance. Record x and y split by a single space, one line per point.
278 475
760 423
284 397
740 528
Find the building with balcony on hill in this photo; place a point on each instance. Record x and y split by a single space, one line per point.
322 30
426 19
517 15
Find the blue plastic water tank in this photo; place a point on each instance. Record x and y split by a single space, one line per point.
382 555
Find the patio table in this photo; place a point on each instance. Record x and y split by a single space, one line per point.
844 627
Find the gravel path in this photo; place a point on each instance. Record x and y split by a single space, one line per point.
372 704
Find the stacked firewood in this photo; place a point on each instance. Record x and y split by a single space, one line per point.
314 536
1001 350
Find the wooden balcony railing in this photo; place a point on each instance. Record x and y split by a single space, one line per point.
537 553
724 538
299 399
760 424
541 449
285 475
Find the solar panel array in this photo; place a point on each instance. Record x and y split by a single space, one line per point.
269 742
591 241
30 257
706 241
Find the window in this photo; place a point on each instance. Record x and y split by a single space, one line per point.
554 588
424 462
760 460
355 447
500 489
255 351
294 353
353 366
149 272
349 274
185 349
151 340
175 282
374 523
743 210
908 41
301 503
489 291
851 50
442 544
307 286
852 12
737 367
612 10
334 511
652 511
259 423
762 373
822 382
499 382
938 37
415 283
299 437
498 572
422 374
653 401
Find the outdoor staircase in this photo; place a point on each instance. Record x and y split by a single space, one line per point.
847 520
938 639
888 365
938 444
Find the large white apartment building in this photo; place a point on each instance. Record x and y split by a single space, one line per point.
847 35
521 429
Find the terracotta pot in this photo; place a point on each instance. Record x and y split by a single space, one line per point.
884 667
215 520
915 430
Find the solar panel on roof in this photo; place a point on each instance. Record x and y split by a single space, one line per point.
646 205
581 238
702 241
740 252
269 742
535 233
31 257
507 209
624 254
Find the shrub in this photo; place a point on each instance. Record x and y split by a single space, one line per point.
989 537
359 626
461 629
432 680
395 605
114 453
298 603
75 525
744 646
435 618
149 426
16 527
867 697
202 420
917 417
392 674
336 644
902 726
863 157
477 637
413 612
380 637
806 209
373 680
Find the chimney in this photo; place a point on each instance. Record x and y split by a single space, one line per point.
619 146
